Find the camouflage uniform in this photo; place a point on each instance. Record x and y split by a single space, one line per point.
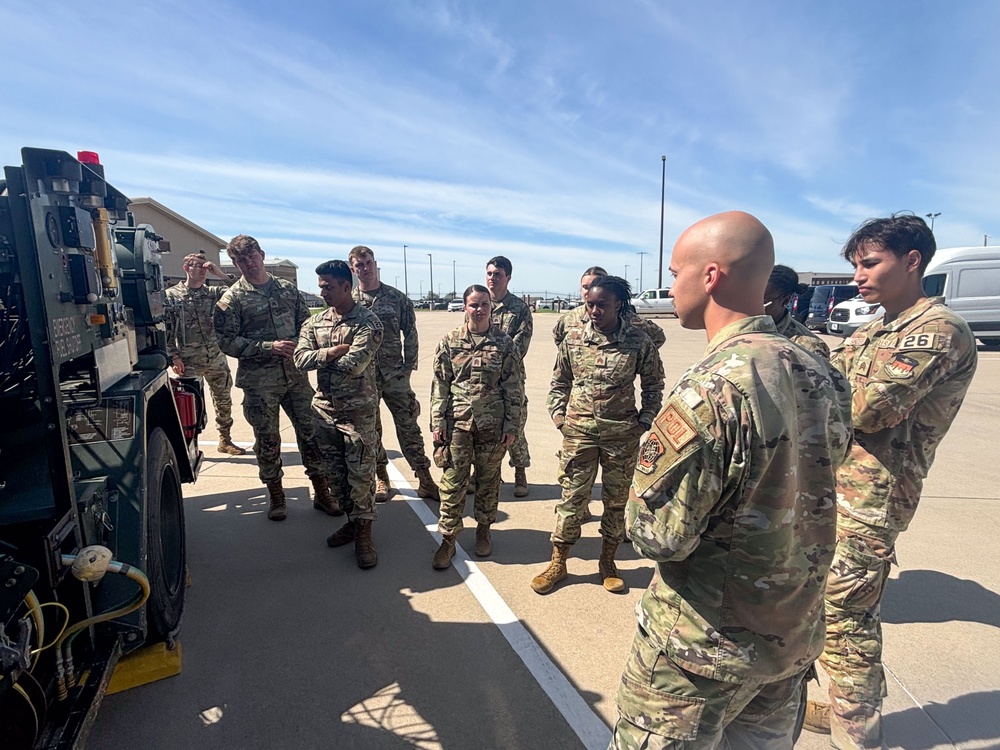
792 329
191 338
513 317
396 359
476 397
247 322
578 317
734 499
346 402
592 402
909 378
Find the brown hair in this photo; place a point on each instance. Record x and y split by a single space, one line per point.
242 244
357 251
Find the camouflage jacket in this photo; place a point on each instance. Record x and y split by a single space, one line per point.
792 329
734 497
578 317
593 382
347 392
477 385
190 328
248 322
398 353
513 317
908 379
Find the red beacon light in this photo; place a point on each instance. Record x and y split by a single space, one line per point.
88 157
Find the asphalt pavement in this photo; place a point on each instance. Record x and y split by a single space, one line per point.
286 643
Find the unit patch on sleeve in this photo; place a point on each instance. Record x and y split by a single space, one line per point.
901 367
677 430
651 450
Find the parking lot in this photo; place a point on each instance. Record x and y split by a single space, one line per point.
288 644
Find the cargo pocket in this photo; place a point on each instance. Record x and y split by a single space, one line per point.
857 575
675 717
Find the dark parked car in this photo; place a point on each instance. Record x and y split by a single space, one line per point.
824 299
800 304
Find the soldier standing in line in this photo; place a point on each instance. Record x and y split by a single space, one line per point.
476 399
909 372
396 359
734 498
341 343
578 315
191 341
592 403
513 317
258 321
781 287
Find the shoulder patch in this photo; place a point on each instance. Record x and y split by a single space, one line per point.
651 450
933 341
222 304
901 367
676 428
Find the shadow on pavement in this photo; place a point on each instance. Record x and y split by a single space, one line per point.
931 596
970 718
286 643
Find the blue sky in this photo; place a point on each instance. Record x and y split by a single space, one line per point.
532 130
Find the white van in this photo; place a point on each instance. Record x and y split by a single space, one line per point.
969 280
654 302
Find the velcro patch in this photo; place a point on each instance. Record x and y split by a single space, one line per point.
931 341
651 450
676 428
901 367
222 304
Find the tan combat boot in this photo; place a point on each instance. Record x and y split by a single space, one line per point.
817 717
364 548
484 544
608 571
276 511
226 444
520 482
544 582
344 535
323 500
442 558
383 488
426 487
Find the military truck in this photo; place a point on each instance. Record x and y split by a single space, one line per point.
93 447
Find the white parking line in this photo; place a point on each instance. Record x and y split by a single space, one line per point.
587 725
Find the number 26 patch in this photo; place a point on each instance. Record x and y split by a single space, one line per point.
924 341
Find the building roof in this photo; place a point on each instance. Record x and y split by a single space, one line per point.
157 206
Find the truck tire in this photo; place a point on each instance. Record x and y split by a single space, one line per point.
165 539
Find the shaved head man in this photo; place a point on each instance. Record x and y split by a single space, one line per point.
734 500
720 267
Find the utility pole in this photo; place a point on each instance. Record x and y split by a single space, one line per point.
663 194
985 240
406 282
626 272
430 260
454 286
932 217
640 254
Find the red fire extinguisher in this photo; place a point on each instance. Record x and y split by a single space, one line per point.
186 408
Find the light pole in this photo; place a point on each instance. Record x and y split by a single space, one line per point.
454 286
640 267
986 238
430 261
932 217
406 283
421 288
663 194
626 272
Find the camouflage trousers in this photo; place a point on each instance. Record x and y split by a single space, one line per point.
220 382
580 456
349 464
519 456
662 706
405 409
852 656
469 449
261 409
